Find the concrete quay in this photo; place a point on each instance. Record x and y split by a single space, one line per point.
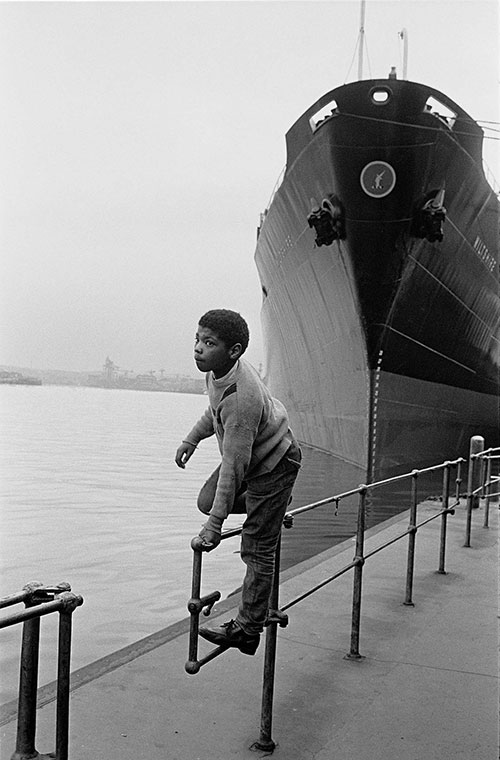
426 689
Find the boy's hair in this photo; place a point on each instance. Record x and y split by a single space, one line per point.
229 326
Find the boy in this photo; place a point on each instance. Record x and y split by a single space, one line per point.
260 462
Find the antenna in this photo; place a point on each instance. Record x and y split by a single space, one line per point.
403 34
361 39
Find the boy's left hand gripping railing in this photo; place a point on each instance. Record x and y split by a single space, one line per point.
40 600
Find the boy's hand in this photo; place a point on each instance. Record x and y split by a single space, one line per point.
211 531
184 453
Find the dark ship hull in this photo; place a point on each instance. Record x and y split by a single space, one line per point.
378 259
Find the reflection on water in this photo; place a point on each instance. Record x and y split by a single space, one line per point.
90 495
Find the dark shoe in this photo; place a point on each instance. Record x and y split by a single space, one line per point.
232 635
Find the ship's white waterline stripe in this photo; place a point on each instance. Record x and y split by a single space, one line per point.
432 350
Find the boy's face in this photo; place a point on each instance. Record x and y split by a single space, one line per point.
211 353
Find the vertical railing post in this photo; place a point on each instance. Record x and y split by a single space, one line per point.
482 475
412 536
265 742
444 516
476 445
359 561
458 482
192 665
488 491
28 682
71 602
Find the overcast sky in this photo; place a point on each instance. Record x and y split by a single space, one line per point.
140 142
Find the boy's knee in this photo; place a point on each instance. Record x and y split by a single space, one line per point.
205 501
207 494
204 504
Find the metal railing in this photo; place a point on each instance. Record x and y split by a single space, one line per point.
278 617
40 600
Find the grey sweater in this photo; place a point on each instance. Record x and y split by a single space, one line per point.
251 427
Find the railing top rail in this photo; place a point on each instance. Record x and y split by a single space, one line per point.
8 601
65 602
34 592
359 489
487 451
370 486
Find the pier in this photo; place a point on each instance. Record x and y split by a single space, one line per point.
425 688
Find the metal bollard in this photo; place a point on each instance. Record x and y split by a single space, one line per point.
359 561
412 535
476 446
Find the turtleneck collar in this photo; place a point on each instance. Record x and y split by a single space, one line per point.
228 378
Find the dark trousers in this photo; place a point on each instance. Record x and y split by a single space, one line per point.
265 501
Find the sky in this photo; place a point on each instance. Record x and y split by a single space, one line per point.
141 141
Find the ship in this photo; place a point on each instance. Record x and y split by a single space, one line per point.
16 378
378 261
114 377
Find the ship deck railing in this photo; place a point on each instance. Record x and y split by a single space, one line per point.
39 601
482 482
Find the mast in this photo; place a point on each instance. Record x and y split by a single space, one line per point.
404 36
361 39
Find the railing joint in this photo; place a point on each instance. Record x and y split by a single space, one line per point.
70 601
199 545
276 616
206 603
263 746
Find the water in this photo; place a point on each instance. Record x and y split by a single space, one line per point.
90 495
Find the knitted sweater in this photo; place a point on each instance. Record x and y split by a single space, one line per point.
251 428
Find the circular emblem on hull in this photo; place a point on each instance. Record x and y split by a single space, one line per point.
378 179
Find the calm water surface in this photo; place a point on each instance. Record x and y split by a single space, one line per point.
90 495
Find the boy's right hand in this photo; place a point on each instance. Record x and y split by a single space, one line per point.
184 454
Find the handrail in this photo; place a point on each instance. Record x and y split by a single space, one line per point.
39 601
277 616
